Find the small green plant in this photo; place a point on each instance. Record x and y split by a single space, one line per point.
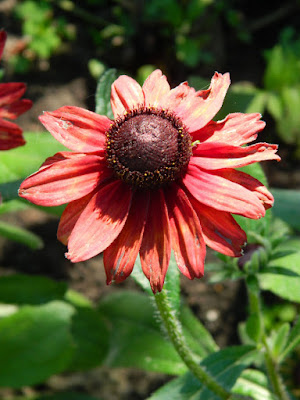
43 32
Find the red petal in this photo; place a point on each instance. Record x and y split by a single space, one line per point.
199 108
10 92
76 128
154 88
214 190
64 181
175 96
120 256
70 216
126 94
12 111
220 230
186 233
236 129
10 135
100 222
220 155
3 37
155 249
250 183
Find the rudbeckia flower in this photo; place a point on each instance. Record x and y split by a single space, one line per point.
161 176
11 106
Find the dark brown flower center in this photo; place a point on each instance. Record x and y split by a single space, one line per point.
148 148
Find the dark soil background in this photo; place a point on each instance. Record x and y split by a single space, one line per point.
66 81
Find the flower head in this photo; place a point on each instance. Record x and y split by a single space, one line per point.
11 106
161 176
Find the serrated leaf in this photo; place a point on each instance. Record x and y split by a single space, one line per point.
225 366
103 92
30 289
35 342
21 235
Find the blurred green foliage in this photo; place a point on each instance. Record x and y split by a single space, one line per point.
185 31
282 84
43 31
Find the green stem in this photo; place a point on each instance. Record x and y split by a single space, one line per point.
174 330
274 377
271 366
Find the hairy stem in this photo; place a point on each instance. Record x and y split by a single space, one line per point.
174 330
271 365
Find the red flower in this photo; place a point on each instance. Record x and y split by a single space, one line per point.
11 107
159 177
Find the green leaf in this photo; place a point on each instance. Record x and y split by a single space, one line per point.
225 366
35 343
9 190
292 341
30 289
255 384
103 92
135 335
282 277
138 275
77 299
242 97
20 162
21 235
172 284
286 206
172 281
279 339
12 205
262 225
90 335
194 328
274 105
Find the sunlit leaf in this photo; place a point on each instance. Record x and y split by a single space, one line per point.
282 277
254 384
18 163
103 92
